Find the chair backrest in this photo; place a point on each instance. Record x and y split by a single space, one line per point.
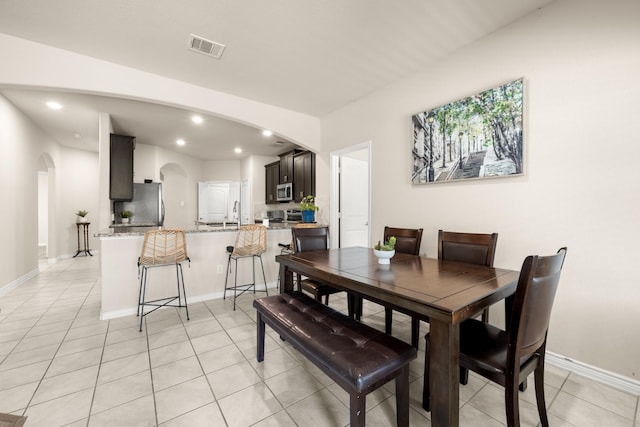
251 240
408 240
310 239
473 248
161 247
532 304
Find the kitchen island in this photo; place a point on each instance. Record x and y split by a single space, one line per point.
204 276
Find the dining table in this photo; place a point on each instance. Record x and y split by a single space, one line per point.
444 292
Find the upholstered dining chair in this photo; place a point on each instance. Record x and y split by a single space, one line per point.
251 242
508 356
408 241
312 238
473 248
162 248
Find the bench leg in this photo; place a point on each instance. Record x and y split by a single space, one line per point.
260 342
402 397
358 409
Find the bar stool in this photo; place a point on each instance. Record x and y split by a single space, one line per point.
251 241
162 248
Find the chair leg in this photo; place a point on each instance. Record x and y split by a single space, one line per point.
260 340
485 315
402 397
464 376
357 408
511 402
426 394
539 383
415 331
326 299
388 319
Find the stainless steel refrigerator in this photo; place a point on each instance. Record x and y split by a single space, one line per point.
146 207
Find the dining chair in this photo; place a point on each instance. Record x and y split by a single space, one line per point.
472 248
162 248
312 238
507 357
408 241
251 242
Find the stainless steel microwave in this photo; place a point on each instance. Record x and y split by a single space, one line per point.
285 192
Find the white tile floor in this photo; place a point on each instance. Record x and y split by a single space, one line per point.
60 365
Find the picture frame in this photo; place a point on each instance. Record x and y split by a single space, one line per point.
476 137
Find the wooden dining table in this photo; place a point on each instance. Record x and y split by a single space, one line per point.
445 292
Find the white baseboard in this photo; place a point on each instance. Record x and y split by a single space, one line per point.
19 281
130 311
605 377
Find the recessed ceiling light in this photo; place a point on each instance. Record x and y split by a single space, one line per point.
180 142
238 150
77 136
267 132
196 119
54 105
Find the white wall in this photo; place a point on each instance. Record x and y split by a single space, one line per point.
580 61
77 184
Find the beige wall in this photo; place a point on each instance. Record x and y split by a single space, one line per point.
581 65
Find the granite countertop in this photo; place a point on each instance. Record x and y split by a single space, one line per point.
123 230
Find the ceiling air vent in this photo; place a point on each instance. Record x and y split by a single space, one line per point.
206 47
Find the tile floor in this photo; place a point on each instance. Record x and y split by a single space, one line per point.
60 365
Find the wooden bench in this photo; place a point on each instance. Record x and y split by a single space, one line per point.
357 357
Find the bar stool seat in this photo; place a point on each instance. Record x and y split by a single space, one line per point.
162 248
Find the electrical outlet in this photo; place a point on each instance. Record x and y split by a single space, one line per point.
220 268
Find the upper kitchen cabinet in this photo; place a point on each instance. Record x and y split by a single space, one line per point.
121 167
286 166
304 175
272 180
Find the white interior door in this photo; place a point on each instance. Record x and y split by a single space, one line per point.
354 198
214 202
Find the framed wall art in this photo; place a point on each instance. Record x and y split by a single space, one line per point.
475 137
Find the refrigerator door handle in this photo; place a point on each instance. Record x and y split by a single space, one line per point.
161 212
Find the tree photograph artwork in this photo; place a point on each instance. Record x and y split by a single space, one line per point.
476 137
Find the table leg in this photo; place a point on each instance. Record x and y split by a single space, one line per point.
444 373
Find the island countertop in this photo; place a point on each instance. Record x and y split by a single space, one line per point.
121 230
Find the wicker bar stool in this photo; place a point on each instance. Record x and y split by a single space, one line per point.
162 248
251 241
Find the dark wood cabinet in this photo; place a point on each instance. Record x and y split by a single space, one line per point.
272 172
286 167
304 175
121 167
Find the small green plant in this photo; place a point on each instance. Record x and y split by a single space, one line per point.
308 203
125 214
389 245
82 213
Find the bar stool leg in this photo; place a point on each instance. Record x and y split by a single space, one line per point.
264 277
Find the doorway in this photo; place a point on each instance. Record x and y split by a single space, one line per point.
351 196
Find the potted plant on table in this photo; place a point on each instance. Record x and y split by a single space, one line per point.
385 251
308 208
125 216
82 216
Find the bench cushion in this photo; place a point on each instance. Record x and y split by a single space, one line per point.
348 351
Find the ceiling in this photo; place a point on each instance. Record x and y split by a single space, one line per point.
308 56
